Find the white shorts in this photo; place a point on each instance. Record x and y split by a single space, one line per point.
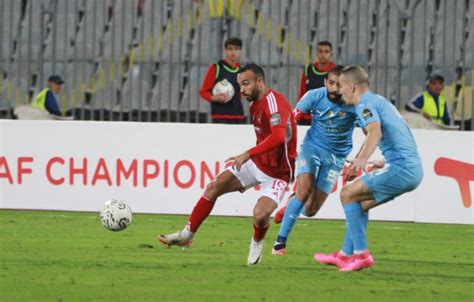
250 176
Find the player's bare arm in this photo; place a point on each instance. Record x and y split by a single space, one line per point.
374 134
350 175
275 139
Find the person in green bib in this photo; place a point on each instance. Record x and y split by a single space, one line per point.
431 103
315 73
226 108
46 99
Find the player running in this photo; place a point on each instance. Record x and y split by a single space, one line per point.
402 172
322 154
271 163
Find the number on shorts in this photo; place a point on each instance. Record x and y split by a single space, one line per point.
278 185
332 176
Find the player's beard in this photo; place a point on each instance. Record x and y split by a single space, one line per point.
334 96
253 96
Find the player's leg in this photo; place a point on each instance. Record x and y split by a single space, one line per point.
281 212
308 164
261 216
314 203
356 219
272 191
372 190
261 222
343 256
293 210
325 183
367 192
348 246
351 198
225 182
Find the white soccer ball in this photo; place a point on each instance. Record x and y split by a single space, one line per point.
224 86
116 215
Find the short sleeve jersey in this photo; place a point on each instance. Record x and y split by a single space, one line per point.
273 110
333 122
397 143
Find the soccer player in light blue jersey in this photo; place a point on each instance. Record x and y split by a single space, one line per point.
402 172
322 154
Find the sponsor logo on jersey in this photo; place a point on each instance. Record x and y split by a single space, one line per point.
275 119
366 113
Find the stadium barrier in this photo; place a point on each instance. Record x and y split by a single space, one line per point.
164 167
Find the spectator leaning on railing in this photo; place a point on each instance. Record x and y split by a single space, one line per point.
431 103
46 99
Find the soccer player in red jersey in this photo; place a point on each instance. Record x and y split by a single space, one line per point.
269 164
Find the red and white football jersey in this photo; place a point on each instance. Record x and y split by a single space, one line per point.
273 110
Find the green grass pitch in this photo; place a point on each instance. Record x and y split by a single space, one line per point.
64 256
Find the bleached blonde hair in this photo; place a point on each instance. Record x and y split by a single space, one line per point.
356 74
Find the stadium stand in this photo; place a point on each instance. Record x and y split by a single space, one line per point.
98 45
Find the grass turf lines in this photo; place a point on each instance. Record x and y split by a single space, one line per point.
64 256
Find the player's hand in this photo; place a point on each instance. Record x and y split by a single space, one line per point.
346 174
239 160
357 165
221 98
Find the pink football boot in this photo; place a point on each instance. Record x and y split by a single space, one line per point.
335 258
359 261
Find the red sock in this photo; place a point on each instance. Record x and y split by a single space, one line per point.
201 210
259 233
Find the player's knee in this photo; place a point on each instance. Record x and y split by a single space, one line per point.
211 189
346 196
303 193
311 208
310 212
260 218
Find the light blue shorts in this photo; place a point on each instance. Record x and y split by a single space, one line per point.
324 165
393 180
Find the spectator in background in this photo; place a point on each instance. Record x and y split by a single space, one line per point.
46 99
431 104
314 74
225 108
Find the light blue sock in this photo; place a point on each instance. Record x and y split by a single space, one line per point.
356 223
348 246
366 220
292 213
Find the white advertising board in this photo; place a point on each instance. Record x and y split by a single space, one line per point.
164 167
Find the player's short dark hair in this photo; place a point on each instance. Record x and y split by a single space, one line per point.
233 41
256 69
325 43
337 70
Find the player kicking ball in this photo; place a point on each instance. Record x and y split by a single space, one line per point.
269 164
402 172
322 154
